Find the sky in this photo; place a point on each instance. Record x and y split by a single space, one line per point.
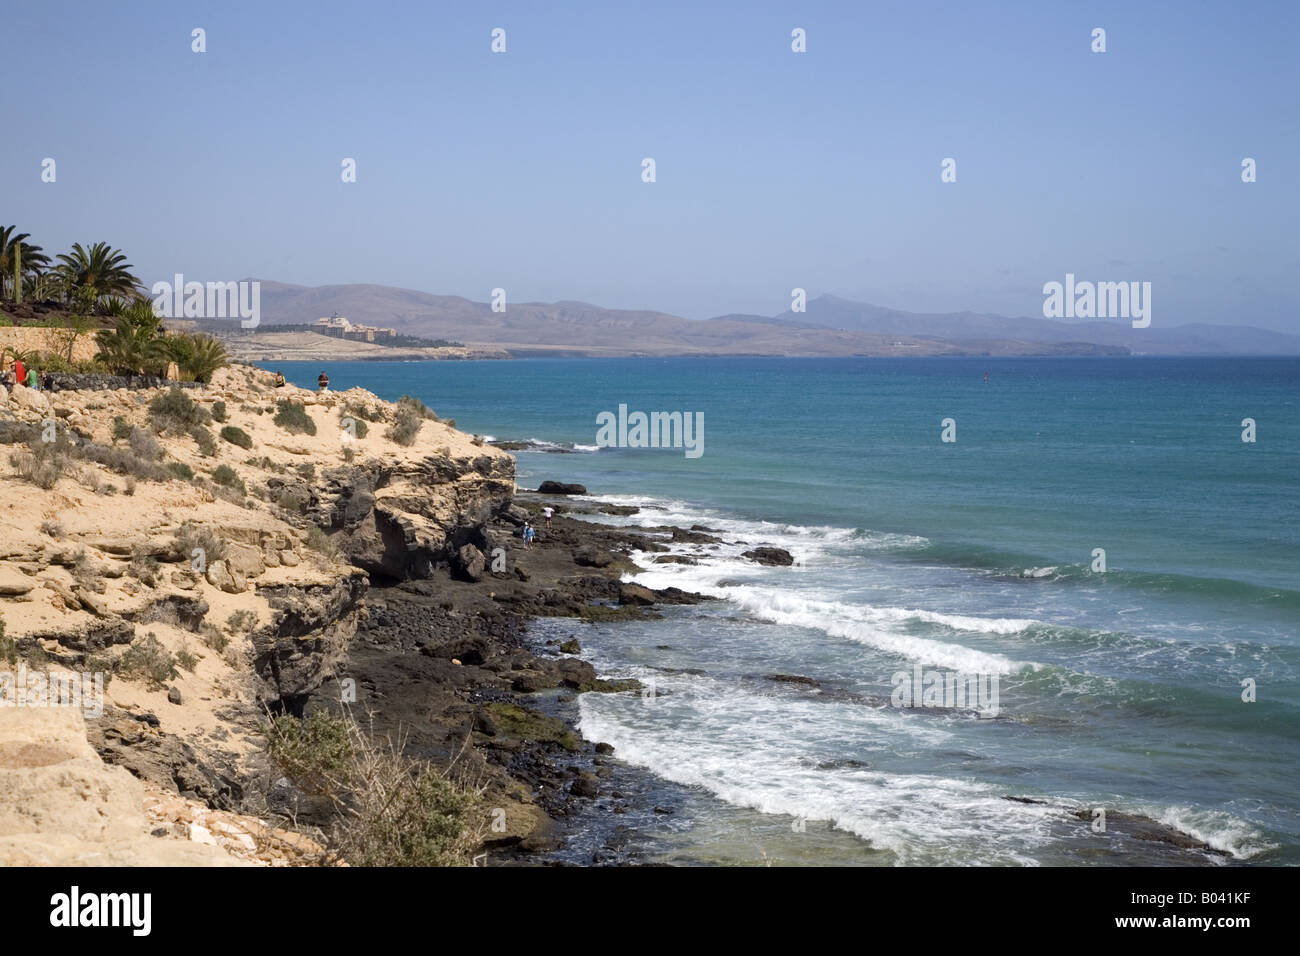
774 169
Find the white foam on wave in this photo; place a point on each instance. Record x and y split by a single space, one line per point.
805 539
884 628
1220 830
768 755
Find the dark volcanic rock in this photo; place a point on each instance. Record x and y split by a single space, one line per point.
590 557
777 557
560 488
792 679
469 563
635 594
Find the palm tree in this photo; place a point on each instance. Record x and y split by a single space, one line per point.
33 259
140 313
101 268
196 356
127 349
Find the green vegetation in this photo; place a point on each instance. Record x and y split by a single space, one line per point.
321 542
191 537
180 470
515 721
8 647
203 437
227 477
96 280
147 659
293 417
173 411
236 436
391 810
241 622
218 412
406 424
186 659
413 403
144 444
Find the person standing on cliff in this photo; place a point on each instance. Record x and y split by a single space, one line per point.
323 382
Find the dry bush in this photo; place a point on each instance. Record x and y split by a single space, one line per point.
392 810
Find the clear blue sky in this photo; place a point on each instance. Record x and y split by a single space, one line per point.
775 169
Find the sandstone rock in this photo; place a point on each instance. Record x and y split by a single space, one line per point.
220 576
61 805
174 695
290 559
14 582
245 560
29 400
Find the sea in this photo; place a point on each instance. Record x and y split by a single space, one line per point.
1086 547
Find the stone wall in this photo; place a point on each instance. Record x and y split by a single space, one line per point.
70 381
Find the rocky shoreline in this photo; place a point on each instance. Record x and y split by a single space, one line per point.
380 572
448 662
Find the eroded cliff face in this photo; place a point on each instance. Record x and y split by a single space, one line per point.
211 576
400 519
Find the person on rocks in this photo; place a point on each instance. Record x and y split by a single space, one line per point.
279 379
20 372
528 534
547 512
47 381
323 382
33 382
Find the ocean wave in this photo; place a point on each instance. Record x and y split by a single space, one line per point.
733 747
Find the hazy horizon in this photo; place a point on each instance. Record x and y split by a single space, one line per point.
775 169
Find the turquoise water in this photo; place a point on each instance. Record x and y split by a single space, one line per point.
1119 690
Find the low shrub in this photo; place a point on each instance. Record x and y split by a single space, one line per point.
191 537
392 810
293 417
144 444
406 425
237 436
174 411
227 477
147 659
203 438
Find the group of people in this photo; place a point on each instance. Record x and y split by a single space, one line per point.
529 533
322 381
20 374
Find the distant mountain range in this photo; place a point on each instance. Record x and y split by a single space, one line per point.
831 326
